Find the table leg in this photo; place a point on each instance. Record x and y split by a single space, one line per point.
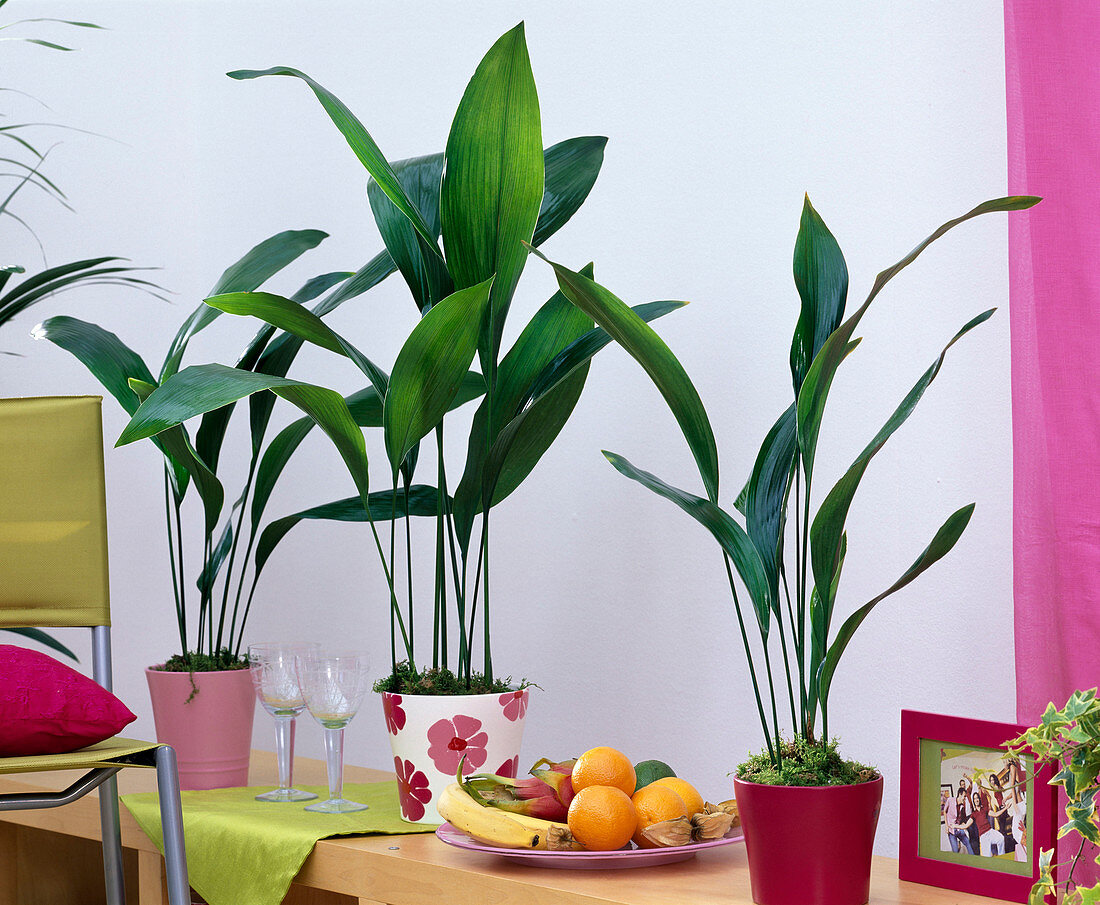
9 875
152 889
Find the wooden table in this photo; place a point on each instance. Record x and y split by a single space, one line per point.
52 857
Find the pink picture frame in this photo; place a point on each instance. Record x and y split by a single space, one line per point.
935 748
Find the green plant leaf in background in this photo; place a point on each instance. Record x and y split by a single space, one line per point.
821 277
650 351
949 533
430 368
422 500
493 183
570 171
828 525
731 537
247 274
36 634
202 388
819 378
359 140
288 315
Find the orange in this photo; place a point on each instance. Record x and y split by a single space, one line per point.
686 791
604 767
653 804
602 818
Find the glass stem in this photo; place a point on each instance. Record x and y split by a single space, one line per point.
334 759
284 749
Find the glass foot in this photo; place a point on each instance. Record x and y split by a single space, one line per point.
336 806
286 795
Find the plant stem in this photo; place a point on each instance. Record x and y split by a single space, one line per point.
177 505
773 751
181 613
786 662
229 566
488 670
803 608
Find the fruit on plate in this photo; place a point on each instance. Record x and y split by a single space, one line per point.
546 793
685 790
604 766
653 804
602 818
648 771
492 826
713 822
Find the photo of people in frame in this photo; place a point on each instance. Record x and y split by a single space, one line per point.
983 804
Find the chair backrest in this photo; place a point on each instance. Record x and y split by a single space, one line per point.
53 513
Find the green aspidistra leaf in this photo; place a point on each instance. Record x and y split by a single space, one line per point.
493 183
430 369
649 350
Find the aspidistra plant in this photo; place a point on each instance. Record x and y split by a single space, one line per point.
792 588
455 225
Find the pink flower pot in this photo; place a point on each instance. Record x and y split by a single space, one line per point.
431 734
210 730
809 843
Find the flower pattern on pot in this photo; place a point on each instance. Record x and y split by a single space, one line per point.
509 768
395 716
412 789
515 704
450 740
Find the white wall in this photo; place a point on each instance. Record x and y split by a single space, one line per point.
720 115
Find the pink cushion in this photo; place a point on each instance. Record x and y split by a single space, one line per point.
48 708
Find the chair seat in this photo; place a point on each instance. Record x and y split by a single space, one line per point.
110 753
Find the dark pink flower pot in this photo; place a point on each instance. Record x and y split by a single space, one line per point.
809 843
210 730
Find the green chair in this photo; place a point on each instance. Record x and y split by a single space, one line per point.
53 573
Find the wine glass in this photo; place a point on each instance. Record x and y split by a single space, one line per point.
276 682
333 684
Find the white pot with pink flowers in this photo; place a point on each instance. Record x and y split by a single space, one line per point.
430 735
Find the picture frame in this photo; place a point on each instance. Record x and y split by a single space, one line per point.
988 841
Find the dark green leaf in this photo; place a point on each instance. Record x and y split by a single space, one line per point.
421 267
821 277
765 496
113 364
819 378
493 183
293 318
202 388
36 634
254 269
358 139
730 536
571 169
422 500
430 368
941 545
178 450
828 525
553 328
650 351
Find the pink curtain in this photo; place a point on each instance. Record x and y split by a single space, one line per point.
1053 82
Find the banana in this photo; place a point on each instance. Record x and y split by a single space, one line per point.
487 825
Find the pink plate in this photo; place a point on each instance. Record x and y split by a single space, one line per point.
632 857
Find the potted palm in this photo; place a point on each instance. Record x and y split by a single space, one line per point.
202 695
809 815
494 188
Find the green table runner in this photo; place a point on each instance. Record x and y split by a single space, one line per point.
246 852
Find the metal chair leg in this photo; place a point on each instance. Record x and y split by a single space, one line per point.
111 834
171 822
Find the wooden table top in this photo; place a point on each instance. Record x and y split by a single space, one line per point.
421 870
